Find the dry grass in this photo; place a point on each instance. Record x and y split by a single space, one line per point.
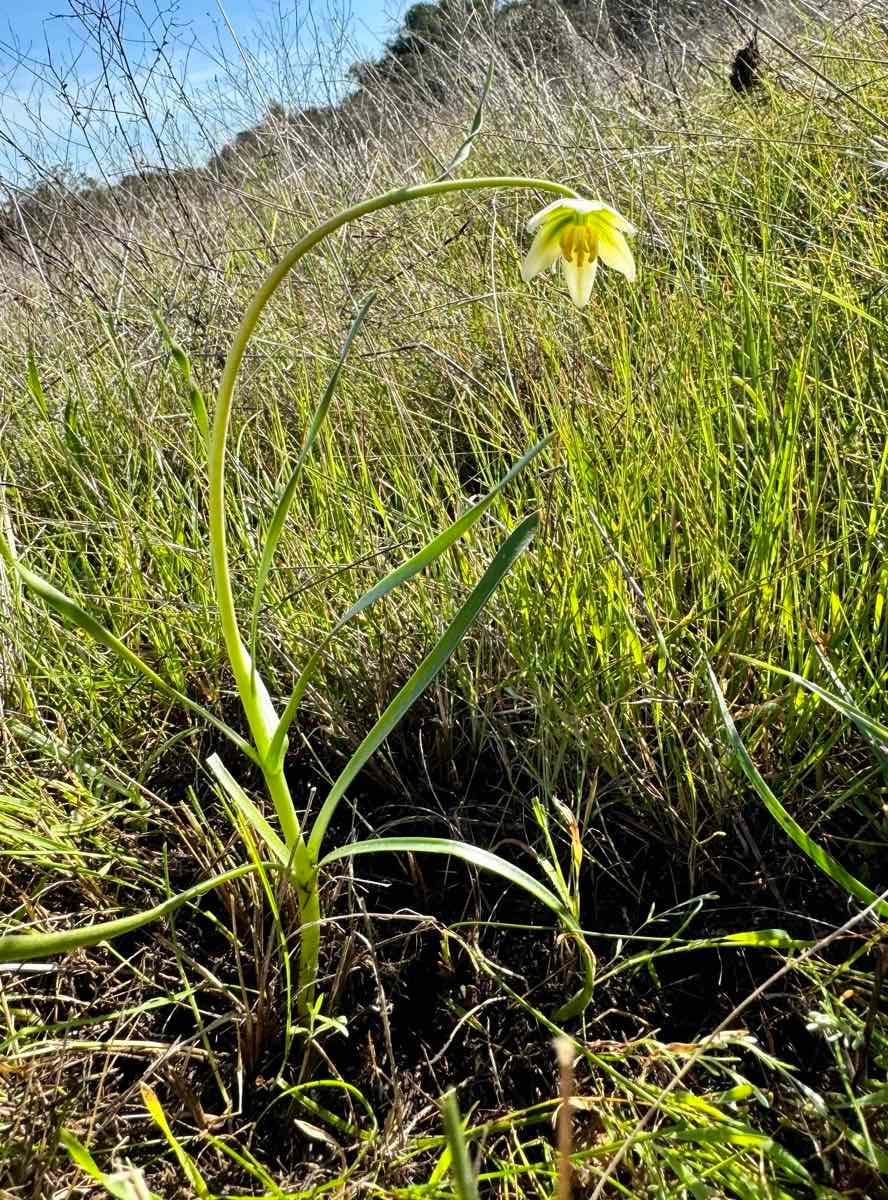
717 489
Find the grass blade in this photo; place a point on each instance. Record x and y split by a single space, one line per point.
820 857
474 129
182 364
464 1183
35 387
880 749
514 545
122 1185
407 570
278 520
186 1162
868 727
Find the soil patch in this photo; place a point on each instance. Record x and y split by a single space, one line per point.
421 1011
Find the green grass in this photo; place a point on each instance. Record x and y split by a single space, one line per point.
717 490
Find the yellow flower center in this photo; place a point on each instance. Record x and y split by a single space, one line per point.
580 243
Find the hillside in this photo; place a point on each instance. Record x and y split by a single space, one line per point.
423 81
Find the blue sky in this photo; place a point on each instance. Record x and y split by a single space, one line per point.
232 57
30 21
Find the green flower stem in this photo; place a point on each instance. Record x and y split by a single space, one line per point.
283 806
258 706
254 695
309 941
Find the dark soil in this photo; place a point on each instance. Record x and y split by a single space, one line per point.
404 989
404 998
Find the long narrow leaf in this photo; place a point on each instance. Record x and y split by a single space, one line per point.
464 1182
125 1184
65 607
182 364
186 1162
488 861
476 855
21 947
513 546
879 749
407 570
474 129
248 809
278 520
820 857
867 726
35 387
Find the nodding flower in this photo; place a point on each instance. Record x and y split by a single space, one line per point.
579 232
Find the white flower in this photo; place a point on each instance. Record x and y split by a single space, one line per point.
579 232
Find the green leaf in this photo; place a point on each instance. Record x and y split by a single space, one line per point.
464 1183
738 1135
778 938
867 1150
474 128
182 364
22 947
475 855
35 387
879 749
186 1162
248 809
820 857
122 1184
70 610
801 285
514 545
487 861
870 728
278 520
80 1155
407 570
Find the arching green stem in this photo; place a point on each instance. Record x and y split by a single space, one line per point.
259 709
258 706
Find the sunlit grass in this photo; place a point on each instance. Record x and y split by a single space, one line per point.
716 489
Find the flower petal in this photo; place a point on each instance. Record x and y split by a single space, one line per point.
615 253
615 220
563 207
543 215
543 253
580 280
